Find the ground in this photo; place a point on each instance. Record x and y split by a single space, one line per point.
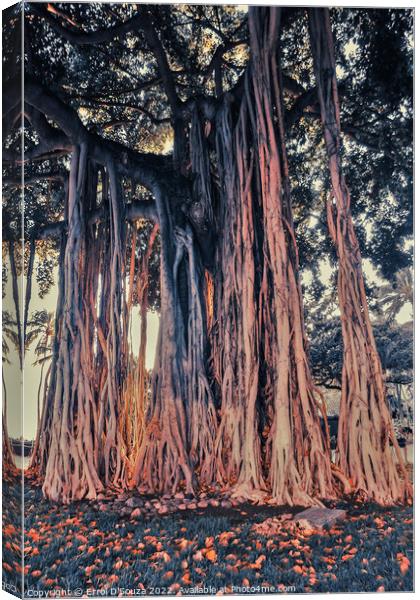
80 548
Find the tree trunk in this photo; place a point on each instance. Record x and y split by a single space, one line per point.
368 452
261 337
9 467
71 472
39 457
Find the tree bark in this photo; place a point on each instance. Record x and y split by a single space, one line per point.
260 350
368 452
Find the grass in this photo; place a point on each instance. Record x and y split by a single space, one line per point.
77 548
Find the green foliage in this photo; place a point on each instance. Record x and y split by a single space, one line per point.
394 343
117 89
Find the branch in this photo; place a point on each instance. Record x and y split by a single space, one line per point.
147 169
144 209
141 22
83 38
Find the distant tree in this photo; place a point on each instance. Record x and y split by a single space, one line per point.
394 344
396 294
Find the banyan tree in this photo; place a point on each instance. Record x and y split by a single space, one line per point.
167 150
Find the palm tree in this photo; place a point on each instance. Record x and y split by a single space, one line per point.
393 296
41 326
9 334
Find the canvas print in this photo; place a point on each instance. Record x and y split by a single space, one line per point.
207 299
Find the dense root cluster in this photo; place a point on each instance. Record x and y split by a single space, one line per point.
230 400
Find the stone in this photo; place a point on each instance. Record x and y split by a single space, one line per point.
134 502
226 504
318 518
136 513
203 504
182 506
179 496
192 505
103 507
163 510
214 502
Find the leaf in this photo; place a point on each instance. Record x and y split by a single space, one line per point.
211 555
404 563
347 557
36 574
186 578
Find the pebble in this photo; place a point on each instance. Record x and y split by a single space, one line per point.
163 510
134 502
192 505
136 513
203 504
182 506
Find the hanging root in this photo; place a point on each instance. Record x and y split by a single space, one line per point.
368 453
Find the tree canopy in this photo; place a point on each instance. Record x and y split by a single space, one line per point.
198 160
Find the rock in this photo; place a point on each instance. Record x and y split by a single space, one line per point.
182 506
203 504
147 504
179 496
202 495
226 504
214 502
134 502
163 510
318 518
192 505
103 507
136 513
